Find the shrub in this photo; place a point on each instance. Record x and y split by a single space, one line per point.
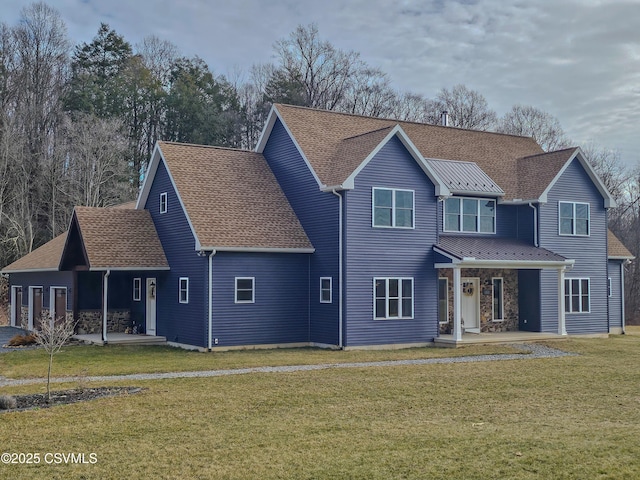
7 402
19 340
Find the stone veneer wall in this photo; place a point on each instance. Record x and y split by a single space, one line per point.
90 321
510 298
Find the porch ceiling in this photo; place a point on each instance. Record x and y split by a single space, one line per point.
491 251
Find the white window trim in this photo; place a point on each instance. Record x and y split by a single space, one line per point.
137 298
501 299
393 208
330 290
588 234
253 289
186 290
52 299
400 280
447 300
164 202
580 294
461 215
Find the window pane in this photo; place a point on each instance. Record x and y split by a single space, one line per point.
575 303
497 299
326 295
326 283
393 307
469 223
404 199
566 226
382 198
487 208
585 303
487 225
469 206
404 218
566 210
452 205
452 223
407 308
582 227
575 287
245 295
567 303
582 210
381 289
381 305
393 287
244 284
407 291
442 300
382 217
585 287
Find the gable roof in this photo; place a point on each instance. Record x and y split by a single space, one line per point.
616 249
114 239
230 197
42 259
336 144
320 135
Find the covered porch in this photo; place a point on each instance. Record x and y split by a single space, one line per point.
490 289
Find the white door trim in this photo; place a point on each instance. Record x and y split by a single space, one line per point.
150 306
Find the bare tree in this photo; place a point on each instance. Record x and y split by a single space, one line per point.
52 336
369 93
323 71
466 108
411 107
530 121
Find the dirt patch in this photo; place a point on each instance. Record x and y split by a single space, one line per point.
64 397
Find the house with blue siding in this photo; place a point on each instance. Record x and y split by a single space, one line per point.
344 231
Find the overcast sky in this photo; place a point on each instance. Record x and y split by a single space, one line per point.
576 59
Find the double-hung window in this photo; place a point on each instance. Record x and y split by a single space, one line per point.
137 289
393 298
498 300
472 215
393 208
576 295
573 218
163 202
183 290
443 299
325 289
245 292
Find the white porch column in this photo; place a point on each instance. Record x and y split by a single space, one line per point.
562 328
457 305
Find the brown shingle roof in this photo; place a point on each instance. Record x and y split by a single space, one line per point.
232 198
321 133
119 238
536 172
46 257
616 248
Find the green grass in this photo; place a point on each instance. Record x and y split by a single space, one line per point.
119 359
556 418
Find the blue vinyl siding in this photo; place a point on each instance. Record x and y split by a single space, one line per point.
178 322
279 313
589 253
615 300
318 213
390 252
525 222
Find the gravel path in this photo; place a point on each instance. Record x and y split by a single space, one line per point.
535 351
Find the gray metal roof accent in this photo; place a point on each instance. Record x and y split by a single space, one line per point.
465 177
501 249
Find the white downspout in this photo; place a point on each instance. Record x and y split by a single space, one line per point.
535 224
210 295
340 345
105 293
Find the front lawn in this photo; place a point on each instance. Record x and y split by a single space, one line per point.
568 417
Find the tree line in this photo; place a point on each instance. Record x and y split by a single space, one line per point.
78 123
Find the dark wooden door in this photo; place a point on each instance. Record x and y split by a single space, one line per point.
60 304
17 309
36 302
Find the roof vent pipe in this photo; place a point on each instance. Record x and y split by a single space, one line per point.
444 118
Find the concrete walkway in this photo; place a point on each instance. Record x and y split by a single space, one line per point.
533 351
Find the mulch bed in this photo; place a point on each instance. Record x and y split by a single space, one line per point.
64 397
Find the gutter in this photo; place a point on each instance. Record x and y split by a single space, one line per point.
105 293
340 340
210 295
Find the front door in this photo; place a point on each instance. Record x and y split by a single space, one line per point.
16 306
59 304
35 307
471 304
151 306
